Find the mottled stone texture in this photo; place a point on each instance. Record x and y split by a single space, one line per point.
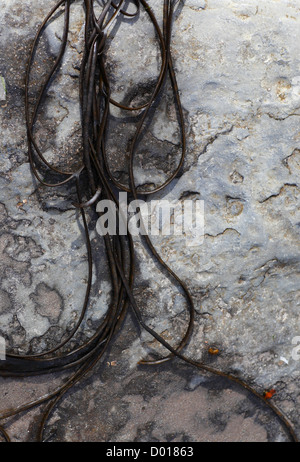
238 70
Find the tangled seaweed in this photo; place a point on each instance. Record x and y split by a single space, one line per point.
95 104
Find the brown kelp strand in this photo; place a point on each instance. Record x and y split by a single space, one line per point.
94 180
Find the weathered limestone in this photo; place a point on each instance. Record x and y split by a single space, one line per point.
238 70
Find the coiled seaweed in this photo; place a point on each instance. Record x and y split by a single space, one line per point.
95 102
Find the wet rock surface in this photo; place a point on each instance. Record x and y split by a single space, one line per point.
237 67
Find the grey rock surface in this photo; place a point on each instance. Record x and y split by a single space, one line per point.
238 70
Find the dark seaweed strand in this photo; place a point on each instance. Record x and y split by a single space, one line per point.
38 370
161 79
30 120
87 355
5 435
31 140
